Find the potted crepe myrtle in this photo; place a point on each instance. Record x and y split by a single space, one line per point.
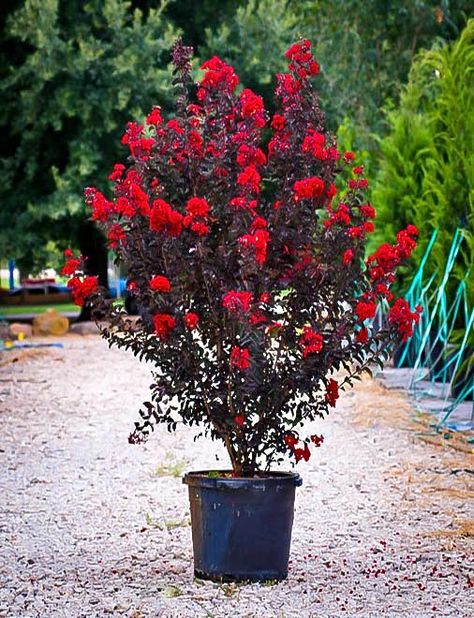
247 266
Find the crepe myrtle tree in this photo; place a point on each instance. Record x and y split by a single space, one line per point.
246 263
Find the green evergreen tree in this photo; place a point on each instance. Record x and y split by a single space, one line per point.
427 172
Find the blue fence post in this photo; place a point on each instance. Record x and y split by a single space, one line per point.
11 274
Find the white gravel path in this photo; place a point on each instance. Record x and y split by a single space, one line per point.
91 527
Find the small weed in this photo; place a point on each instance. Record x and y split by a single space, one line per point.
229 589
151 523
174 468
171 525
270 582
171 591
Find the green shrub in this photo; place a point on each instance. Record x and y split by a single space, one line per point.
427 173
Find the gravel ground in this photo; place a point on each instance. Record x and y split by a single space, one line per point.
90 526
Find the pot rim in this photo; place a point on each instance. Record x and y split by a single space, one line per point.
201 478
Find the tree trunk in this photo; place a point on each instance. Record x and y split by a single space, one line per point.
94 248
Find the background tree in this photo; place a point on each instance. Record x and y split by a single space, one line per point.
82 70
365 48
427 171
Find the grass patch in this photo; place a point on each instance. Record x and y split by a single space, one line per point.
59 307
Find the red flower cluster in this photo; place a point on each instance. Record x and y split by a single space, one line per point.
314 143
362 336
237 302
317 440
160 283
218 75
164 324
164 219
116 235
310 341
387 258
258 241
401 316
365 310
347 256
198 212
252 107
154 117
191 320
117 172
302 61
340 216
72 264
102 208
139 146
240 358
249 178
332 393
308 188
81 290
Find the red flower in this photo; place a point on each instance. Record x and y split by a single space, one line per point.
362 336
102 208
81 290
237 301
302 61
160 283
218 74
173 125
347 257
249 155
365 310
140 198
198 227
240 358
302 453
252 105
308 188
243 202
257 318
239 420
313 143
124 207
164 219
403 318
71 265
310 341
332 393
348 157
367 211
117 172
116 235
258 241
197 207
154 117
290 440
317 440
191 320
68 253
278 122
250 178
358 170
164 324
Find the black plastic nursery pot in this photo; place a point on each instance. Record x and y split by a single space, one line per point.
241 527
